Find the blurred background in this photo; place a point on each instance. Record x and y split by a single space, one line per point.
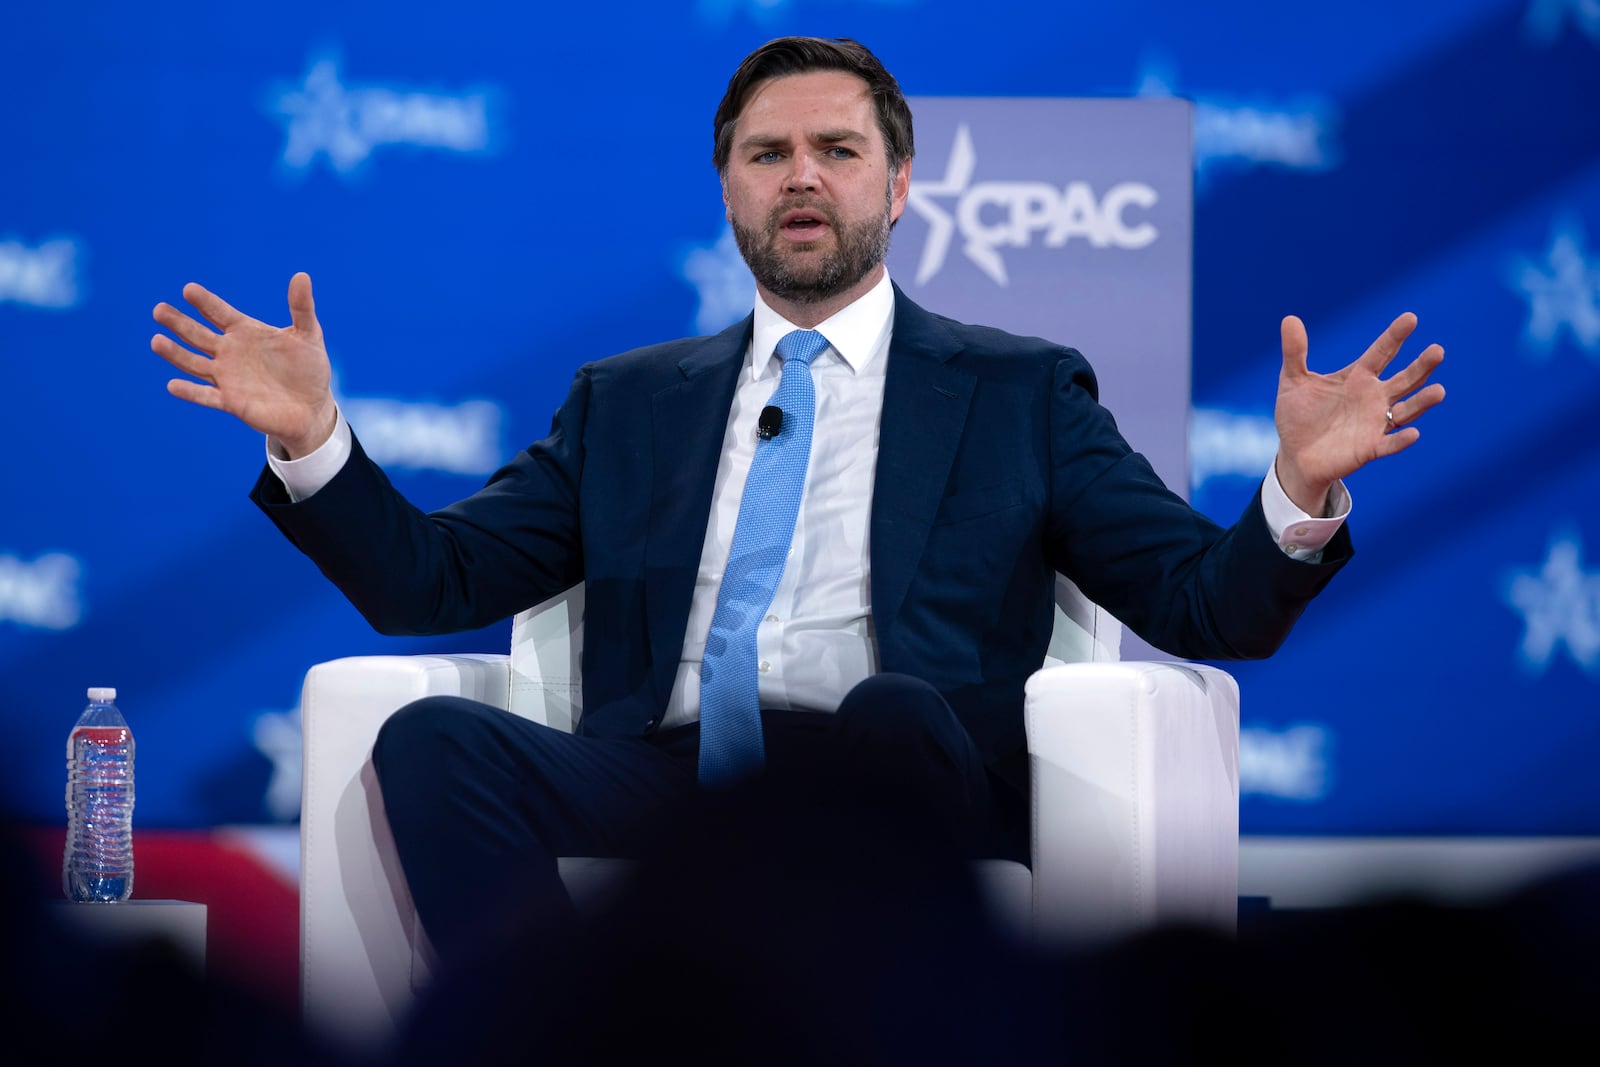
488 195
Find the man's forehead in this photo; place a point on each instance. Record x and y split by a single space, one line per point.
834 99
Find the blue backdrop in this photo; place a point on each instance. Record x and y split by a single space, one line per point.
487 196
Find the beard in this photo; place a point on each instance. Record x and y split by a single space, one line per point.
780 269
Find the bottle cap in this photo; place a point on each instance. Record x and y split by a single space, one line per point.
102 695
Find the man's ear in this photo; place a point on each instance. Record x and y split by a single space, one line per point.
899 189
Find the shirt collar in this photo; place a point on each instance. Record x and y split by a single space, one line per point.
855 333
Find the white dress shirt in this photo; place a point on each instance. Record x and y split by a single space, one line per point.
816 641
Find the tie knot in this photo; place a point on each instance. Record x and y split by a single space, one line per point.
801 346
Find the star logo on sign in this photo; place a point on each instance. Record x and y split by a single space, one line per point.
1560 605
921 197
1563 292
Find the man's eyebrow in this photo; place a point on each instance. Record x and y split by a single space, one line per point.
773 140
762 140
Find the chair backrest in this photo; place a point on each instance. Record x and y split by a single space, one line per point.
547 650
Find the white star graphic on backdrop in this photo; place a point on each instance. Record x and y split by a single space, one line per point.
277 736
1563 292
718 273
321 117
1546 19
1560 605
920 197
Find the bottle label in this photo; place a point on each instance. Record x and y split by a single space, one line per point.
103 736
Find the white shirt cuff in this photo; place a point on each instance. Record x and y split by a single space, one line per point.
1301 536
304 476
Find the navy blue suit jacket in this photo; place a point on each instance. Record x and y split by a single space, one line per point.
997 467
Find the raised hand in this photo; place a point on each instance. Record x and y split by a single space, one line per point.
275 379
1331 425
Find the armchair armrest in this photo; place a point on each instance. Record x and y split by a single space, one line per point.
1135 779
358 929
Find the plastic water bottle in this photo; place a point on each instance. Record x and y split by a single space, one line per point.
98 863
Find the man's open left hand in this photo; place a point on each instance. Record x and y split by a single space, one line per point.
1331 425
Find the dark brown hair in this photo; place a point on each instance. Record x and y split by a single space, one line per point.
802 55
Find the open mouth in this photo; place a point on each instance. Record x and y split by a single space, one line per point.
803 225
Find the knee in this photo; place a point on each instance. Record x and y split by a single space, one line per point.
905 718
897 704
904 743
413 738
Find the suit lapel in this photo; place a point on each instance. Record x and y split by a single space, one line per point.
688 418
925 403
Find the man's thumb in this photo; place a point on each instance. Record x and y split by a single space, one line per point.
1292 332
302 309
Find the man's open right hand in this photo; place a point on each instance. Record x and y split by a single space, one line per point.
275 379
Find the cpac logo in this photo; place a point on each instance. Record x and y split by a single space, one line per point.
1289 764
44 277
1223 443
1010 214
42 594
323 117
1559 604
1563 292
1547 18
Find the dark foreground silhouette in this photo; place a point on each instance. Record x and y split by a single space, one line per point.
784 927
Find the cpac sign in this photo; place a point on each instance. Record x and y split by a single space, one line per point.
1000 214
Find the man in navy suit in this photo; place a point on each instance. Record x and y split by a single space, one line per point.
954 470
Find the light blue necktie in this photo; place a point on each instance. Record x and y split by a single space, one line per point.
730 708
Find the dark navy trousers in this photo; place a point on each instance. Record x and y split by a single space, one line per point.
481 802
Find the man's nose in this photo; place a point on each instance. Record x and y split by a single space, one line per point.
802 173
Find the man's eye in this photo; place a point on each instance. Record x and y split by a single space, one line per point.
769 157
840 152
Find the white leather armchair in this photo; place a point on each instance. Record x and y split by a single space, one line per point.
1135 778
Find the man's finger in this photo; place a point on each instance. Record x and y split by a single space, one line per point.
1407 410
1383 350
1414 374
195 393
302 309
217 311
180 357
193 333
1399 441
1295 345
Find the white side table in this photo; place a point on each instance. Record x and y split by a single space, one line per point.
180 922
